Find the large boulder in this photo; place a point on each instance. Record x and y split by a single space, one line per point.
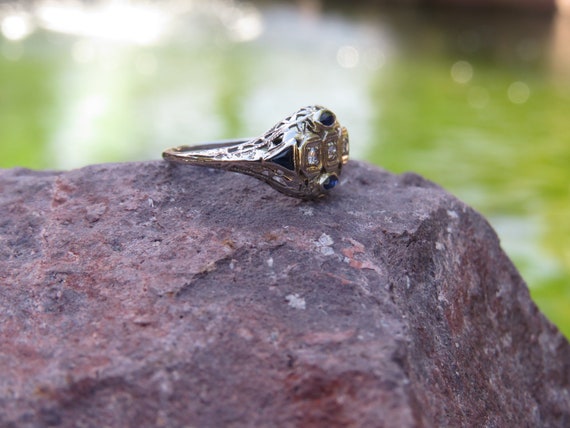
149 294
538 5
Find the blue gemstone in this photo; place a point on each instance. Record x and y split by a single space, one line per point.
326 118
285 159
330 182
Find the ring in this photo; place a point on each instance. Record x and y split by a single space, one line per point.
301 156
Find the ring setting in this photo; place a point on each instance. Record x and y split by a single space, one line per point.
301 156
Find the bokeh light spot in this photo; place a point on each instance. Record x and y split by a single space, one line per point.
125 22
243 20
16 27
347 56
461 72
518 92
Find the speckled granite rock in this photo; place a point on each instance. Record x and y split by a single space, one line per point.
147 294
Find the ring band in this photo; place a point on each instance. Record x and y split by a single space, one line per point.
301 156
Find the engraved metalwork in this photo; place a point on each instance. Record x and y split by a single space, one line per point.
301 156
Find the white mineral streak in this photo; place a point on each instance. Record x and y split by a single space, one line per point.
295 301
452 214
324 243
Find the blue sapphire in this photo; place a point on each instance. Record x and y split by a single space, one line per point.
326 118
330 182
285 159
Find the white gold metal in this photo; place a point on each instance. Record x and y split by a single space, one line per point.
301 156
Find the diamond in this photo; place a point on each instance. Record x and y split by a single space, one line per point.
312 156
331 150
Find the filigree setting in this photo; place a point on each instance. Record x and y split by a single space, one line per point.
301 156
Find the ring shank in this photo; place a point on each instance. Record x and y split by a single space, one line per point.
186 153
206 146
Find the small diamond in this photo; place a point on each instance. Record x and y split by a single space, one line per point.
331 150
313 156
345 146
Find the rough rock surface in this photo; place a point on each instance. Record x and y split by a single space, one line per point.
539 5
147 294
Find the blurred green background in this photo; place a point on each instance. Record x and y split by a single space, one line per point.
475 100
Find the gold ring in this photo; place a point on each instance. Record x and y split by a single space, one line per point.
301 156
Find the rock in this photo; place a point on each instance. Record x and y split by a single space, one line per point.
149 294
524 5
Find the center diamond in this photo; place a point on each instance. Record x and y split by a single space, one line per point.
312 156
331 150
